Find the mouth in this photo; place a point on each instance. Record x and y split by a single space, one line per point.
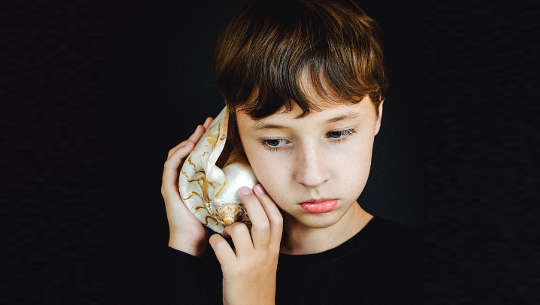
322 205
317 200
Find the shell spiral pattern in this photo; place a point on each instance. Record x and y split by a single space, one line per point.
208 191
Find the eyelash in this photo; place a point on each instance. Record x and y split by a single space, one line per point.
348 132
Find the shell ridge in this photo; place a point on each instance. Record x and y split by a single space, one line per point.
209 191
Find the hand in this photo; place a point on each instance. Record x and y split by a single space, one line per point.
249 272
186 232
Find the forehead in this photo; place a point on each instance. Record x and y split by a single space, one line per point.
327 113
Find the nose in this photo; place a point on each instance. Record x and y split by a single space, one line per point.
311 170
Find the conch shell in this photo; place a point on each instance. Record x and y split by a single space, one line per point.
208 191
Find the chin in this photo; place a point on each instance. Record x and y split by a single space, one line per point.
323 220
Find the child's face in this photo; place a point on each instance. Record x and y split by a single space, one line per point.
309 162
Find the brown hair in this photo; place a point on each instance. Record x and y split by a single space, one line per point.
265 47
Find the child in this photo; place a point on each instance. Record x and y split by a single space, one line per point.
304 83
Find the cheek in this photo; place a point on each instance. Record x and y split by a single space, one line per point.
349 167
355 177
273 178
269 171
264 165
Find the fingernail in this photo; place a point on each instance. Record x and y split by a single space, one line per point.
244 191
258 189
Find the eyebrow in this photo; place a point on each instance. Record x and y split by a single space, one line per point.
346 116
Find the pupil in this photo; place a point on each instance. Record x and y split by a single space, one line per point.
276 142
335 133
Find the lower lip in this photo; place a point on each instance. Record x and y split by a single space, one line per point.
319 207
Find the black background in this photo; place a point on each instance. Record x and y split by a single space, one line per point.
100 94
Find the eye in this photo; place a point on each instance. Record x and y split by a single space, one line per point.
336 135
341 134
271 144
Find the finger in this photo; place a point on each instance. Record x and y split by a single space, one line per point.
260 229
170 168
273 213
241 238
193 138
199 130
195 135
208 121
222 249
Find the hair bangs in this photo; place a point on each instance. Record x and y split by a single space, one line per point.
273 54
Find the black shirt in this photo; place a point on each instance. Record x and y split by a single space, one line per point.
381 264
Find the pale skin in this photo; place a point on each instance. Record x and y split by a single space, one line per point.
186 232
249 272
308 164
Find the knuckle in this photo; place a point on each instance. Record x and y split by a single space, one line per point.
215 240
234 229
238 227
278 220
264 225
212 240
190 142
171 152
169 164
164 188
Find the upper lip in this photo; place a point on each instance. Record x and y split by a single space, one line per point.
317 200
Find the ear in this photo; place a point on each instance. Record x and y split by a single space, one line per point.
379 119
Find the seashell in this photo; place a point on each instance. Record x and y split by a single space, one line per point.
209 191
